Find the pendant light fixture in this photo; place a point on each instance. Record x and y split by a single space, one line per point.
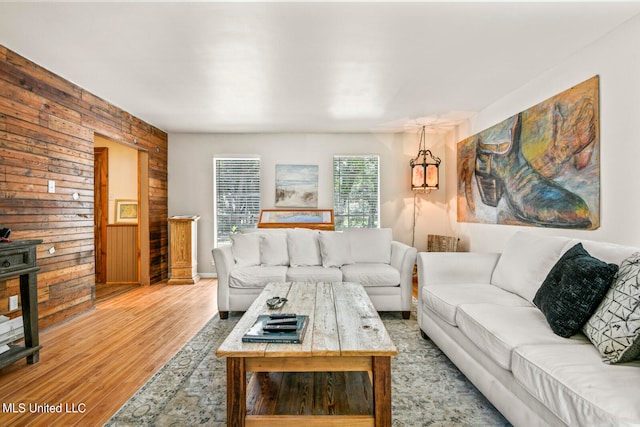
424 168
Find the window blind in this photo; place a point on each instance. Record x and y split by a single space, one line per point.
237 195
356 187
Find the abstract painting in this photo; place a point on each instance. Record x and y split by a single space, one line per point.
296 186
538 168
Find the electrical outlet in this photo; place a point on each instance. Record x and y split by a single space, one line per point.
52 186
13 302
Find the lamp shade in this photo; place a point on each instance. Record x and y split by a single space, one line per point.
425 174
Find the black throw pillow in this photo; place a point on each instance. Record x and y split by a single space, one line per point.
573 289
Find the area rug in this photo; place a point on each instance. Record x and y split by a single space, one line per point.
427 389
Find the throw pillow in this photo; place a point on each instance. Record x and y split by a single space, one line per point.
614 328
573 289
245 249
303 246
273 249
370 244
335 249
525 261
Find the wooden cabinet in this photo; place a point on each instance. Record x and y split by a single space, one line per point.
183 244
18 259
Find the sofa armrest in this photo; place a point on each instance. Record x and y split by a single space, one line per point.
403 258
223 260
455 267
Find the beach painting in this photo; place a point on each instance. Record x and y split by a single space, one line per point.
296 186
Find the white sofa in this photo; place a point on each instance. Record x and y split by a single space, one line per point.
362 255
478 308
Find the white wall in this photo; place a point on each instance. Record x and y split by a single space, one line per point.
616 59
191 177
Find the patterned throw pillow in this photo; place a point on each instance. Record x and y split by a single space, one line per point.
573 289
614 328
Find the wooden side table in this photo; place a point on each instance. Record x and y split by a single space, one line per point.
183 245
18 259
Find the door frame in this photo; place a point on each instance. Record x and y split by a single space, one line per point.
101 210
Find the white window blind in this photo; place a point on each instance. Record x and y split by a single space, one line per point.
356 188
237 195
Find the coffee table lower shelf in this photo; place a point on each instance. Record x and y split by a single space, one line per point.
330 398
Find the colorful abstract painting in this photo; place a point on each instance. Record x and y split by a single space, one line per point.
539 168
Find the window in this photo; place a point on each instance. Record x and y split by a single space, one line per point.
236 187
356 201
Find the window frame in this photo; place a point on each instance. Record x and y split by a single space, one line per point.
216 226
342 219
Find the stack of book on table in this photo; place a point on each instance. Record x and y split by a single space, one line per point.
277 328
10 331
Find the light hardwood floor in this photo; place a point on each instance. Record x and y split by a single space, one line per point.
95 362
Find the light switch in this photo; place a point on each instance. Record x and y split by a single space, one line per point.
52 186
13 302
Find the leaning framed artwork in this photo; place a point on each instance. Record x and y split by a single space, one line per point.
318 219
540 167
126 211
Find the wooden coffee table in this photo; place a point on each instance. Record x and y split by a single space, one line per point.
339 375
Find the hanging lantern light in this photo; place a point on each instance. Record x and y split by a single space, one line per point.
424 168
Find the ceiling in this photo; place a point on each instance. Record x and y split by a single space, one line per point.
303 67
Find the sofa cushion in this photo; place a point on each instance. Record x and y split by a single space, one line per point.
273 249
370 244
525 262
335 249
371 274
256 276
497 330
573 383
614 328
304 248
245 249
607 252
444 299
315 273
573 290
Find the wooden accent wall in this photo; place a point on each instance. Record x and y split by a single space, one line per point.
47 127
122 247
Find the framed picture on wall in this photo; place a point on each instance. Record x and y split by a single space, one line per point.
126 211
296 186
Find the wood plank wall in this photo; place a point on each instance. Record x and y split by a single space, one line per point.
122 247
47 127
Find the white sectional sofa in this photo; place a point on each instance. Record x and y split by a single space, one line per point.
479 309
362 255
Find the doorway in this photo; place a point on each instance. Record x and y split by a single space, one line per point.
120 217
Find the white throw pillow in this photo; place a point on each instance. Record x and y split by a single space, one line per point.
370 244
304 248
526 261
335 249
245 249
273 249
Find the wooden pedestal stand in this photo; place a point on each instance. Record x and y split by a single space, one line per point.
183 256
